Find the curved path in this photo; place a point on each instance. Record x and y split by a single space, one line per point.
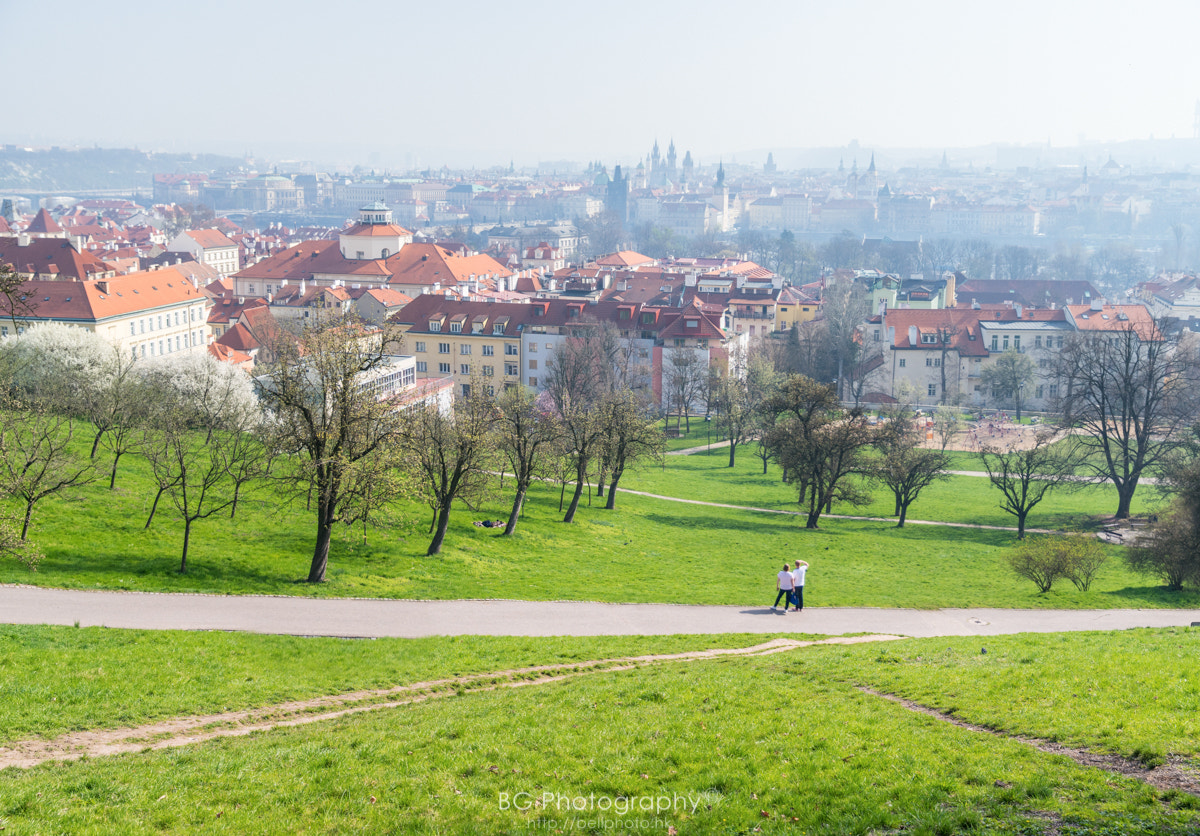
357 617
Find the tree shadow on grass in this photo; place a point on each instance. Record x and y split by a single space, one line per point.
1158 597
753 523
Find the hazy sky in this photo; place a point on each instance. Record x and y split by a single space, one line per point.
479 83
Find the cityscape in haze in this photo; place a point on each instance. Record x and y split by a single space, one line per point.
630 417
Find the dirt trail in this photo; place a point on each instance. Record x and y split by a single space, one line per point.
183 731
1172 775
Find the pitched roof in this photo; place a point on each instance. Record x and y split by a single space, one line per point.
624 258
209 239
92 301
228 354
428 307
43 224
239 338
50 257
1115 318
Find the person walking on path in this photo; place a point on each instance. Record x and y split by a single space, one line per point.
798 585
783 583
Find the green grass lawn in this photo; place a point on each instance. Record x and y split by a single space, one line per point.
647 550
706 476
62 679
778 744
701 433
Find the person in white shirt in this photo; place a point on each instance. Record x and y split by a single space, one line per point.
798 585
783 583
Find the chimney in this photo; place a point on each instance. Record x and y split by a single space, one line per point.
913 339
1097 304
1017 309
102 287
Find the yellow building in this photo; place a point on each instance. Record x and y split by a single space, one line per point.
793 307
469 342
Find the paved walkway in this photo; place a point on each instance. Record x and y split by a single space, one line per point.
356 617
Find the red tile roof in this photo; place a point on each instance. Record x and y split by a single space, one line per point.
92 301
43 224
624 258
1115 318
210 239
50 256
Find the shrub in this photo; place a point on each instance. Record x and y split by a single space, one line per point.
1033 561
1044 560
1083 556
1171 549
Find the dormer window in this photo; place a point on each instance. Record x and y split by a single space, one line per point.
456 327
497 328
435 325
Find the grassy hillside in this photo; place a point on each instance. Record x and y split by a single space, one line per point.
787 743
647 550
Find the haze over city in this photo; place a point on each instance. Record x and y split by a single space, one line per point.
481 84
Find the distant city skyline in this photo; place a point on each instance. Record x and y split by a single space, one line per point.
481 85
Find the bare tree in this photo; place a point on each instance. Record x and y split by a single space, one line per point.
630 433
947 423
845 306
38 455
117 407
582 371
684 375
196 469
450 454
907 467
1128 394
325 412
1008 377
819 446
527 430
1025 477
740 401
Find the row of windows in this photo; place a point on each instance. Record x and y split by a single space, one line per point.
456 328
139 327
1051 342
180 344
511 369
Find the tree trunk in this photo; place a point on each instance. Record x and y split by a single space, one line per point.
112 479
187 535
764 461
1021 525
96 444
603 475
1125 499
516 510
732 451
574 502
903 513
433 520
320 558
28 514
237 494
612 490
153 508
562 495
443 523
813 518
897 512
